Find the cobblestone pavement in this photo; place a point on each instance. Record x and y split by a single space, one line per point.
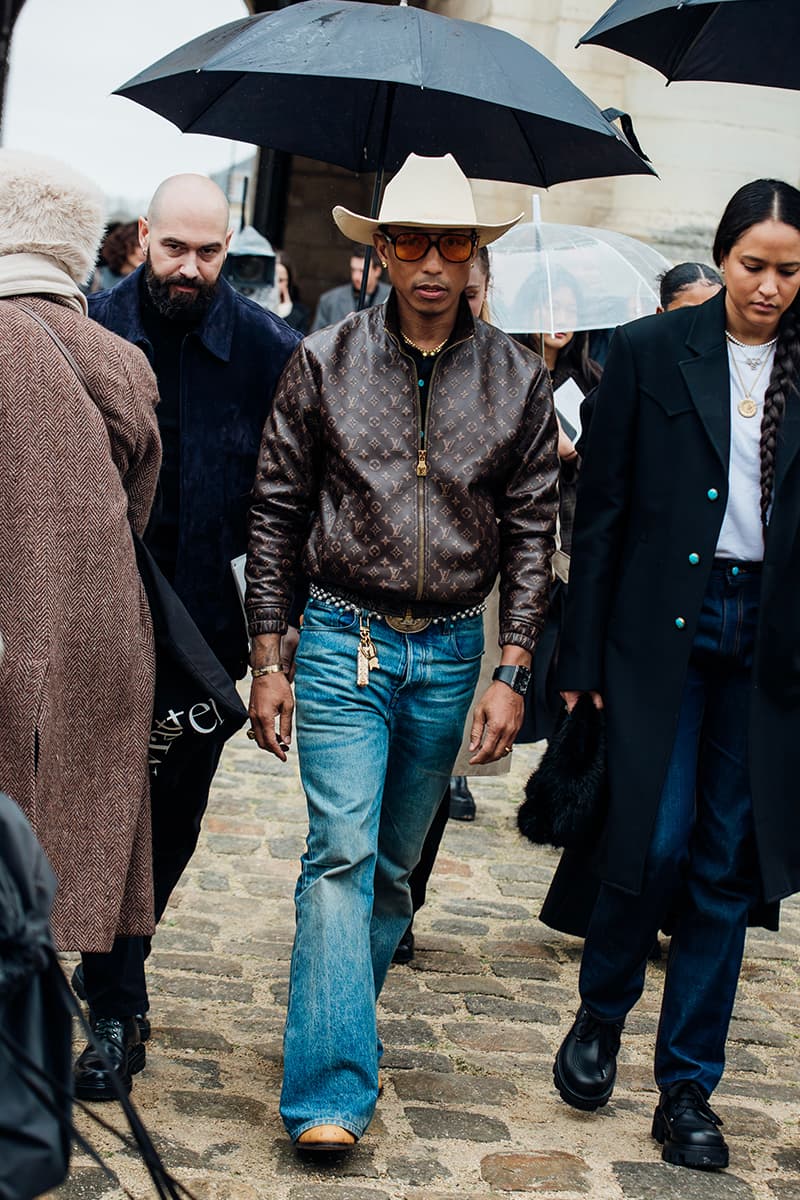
468 1109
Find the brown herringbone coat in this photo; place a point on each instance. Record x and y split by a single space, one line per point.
76 685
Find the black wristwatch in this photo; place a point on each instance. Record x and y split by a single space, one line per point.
517 678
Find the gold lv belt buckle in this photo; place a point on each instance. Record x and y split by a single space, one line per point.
407 623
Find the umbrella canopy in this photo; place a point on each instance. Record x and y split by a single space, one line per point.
734 41
363 85
548 278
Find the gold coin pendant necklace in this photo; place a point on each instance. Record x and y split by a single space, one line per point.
747 407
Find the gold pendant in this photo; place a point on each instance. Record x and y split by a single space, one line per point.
366 655
748 407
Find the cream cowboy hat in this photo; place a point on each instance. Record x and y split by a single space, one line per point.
432 193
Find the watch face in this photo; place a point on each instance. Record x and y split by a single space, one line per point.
522 680
517 678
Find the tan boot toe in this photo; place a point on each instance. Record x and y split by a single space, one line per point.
326 1139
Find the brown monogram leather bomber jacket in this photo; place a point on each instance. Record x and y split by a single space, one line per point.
343 492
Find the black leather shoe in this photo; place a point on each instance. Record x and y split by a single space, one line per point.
687 1129
405 947
79 989
462 801
125 1052
585 1069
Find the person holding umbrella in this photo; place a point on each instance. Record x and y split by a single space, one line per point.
217 356
682 622
410 454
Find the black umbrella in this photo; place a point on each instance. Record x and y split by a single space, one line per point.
363 85
734 41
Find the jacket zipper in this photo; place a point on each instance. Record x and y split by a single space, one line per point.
422 463
422 474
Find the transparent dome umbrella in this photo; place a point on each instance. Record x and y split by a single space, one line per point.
549 278
732 41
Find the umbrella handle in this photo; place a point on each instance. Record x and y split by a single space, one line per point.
391 88
616 114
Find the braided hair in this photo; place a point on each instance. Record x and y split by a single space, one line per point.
684 275
768 200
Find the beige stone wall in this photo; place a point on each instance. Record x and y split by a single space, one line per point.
704 139
321 255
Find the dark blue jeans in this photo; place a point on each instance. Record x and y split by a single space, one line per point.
701 875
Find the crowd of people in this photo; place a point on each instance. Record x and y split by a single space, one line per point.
438 561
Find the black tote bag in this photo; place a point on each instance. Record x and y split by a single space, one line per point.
195 698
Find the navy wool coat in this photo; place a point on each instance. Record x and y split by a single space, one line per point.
651 498
230 367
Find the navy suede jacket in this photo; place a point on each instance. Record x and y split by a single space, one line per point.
229 370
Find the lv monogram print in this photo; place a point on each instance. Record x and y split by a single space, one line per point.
338 494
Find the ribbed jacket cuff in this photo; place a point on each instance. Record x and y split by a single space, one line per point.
526 635
266 620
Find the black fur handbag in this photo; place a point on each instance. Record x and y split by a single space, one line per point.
566 797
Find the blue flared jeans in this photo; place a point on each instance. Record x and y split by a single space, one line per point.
701 876
374 762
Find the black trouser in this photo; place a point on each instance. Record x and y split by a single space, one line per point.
418 879
115 982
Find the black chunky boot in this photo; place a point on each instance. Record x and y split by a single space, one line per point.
687 1128
585 1069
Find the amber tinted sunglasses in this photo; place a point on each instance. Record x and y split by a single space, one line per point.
453 247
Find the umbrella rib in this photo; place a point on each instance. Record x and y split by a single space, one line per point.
199 115
532 148
684 54
418 21
635 270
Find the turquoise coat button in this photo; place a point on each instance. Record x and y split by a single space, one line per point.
712 494
694 559
680 623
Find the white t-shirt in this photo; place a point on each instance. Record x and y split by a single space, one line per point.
741 536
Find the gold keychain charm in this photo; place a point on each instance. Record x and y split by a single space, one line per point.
367 655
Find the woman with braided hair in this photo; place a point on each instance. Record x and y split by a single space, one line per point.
683 624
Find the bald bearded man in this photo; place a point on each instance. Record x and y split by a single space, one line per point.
217 357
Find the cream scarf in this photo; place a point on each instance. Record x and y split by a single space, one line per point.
39 275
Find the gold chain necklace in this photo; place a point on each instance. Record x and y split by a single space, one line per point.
748 407
752 362
424 353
